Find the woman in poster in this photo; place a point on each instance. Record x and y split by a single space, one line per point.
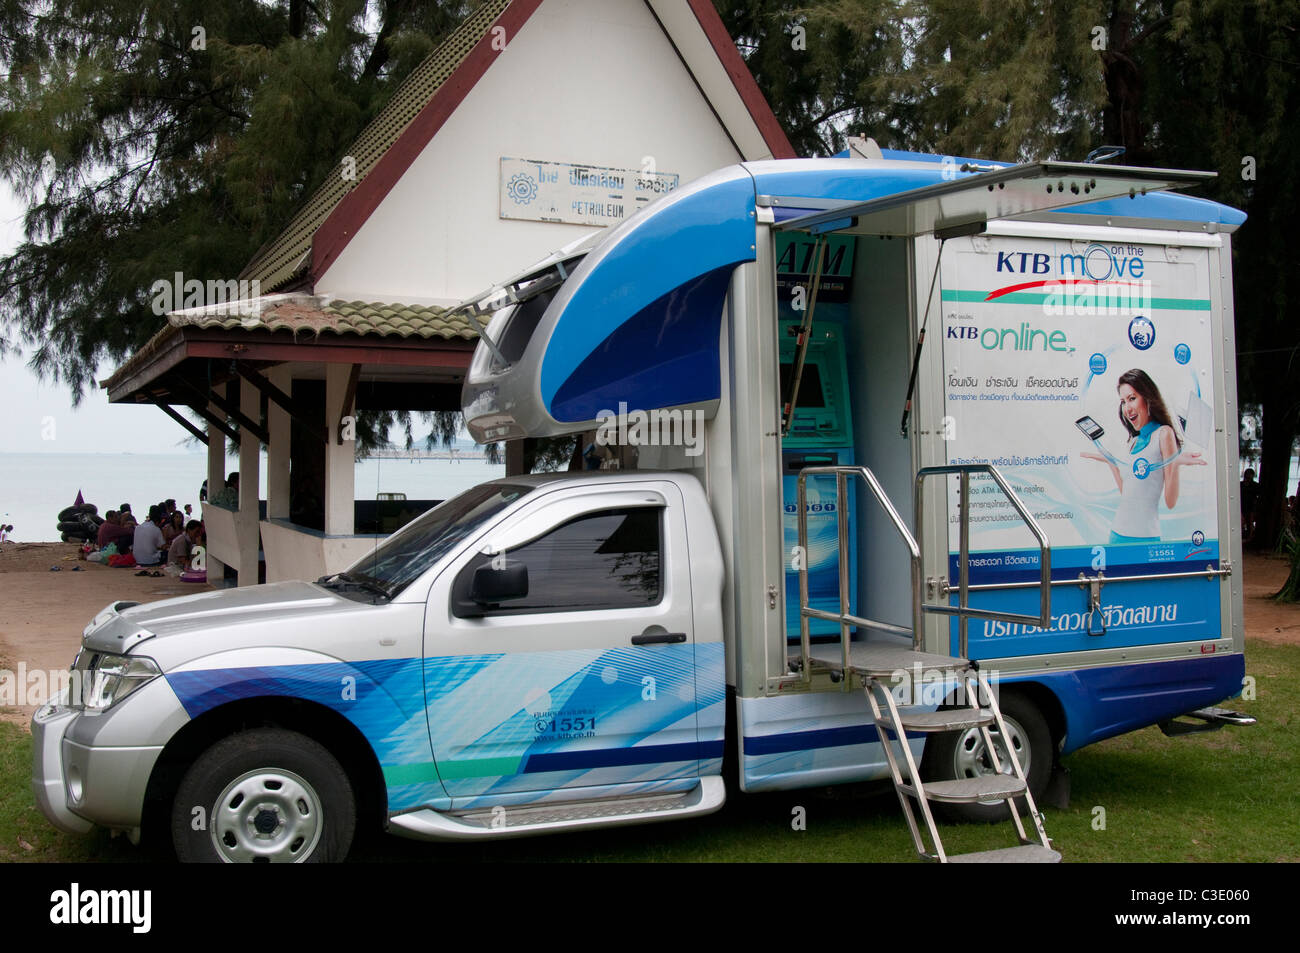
1155 457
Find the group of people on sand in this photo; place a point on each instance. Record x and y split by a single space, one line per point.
166 537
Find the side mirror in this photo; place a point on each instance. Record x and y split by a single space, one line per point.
492 585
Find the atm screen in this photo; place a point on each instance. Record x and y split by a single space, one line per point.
810 385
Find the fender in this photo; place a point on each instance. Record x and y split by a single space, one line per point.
384 698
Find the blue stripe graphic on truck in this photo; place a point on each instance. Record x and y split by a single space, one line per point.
393 702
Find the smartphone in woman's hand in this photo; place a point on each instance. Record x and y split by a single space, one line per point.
1091 429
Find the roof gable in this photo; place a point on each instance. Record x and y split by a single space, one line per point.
322 229
283 257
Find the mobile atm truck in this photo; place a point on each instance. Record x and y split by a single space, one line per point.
779 578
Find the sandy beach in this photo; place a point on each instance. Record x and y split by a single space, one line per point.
45 612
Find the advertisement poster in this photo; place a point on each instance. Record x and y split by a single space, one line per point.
1083 371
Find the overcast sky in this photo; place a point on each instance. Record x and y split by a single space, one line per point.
39 417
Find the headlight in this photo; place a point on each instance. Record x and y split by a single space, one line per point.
111 678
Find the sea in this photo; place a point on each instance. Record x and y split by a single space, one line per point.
35 487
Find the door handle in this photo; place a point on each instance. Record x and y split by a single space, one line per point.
658 638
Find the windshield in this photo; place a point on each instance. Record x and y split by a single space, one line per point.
401 558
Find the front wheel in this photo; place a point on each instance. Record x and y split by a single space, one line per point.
963 754
264 796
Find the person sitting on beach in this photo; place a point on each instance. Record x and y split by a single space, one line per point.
173 526
108 529
112 531
182 546
148 546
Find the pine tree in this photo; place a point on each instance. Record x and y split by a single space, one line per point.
173 137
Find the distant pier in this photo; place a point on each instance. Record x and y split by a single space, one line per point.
452 453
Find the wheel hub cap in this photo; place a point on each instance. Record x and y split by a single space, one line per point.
267 816
972 758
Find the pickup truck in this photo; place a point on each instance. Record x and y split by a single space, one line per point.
506 664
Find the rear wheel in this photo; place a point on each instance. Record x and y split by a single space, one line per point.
264 796
963 754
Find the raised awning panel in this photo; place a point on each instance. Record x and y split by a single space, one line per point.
637 322
703 229
1001 193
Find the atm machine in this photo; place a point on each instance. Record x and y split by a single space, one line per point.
820 434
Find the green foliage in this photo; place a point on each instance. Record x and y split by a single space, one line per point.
824 67
146 147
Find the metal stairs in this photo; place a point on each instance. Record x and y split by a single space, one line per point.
882 667
915 794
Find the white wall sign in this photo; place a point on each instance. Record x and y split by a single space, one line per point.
539 191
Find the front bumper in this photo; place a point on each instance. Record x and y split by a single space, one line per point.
82 772
49 725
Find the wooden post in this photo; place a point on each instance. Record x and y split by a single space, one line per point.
246 520
340 454
216 569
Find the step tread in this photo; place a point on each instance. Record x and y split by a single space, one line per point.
576 810
990 787
952 719
1023 854
882 660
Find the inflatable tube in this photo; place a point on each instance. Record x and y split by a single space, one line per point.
72 512
76 528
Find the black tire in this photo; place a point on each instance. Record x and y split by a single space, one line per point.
954 754
305 811
72 512
73 527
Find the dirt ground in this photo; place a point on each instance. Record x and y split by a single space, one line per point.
43 613
1273 622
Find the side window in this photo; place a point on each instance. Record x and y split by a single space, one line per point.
612 559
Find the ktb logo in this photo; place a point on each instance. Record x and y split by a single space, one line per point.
1024 263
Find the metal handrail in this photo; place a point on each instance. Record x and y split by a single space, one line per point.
962 610
845 619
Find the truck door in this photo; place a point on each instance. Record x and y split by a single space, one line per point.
588 679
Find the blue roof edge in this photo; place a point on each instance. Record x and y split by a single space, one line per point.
1170 206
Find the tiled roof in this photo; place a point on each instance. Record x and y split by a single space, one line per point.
307 316
302 313
283 257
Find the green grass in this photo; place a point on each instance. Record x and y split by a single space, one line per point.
1230 795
